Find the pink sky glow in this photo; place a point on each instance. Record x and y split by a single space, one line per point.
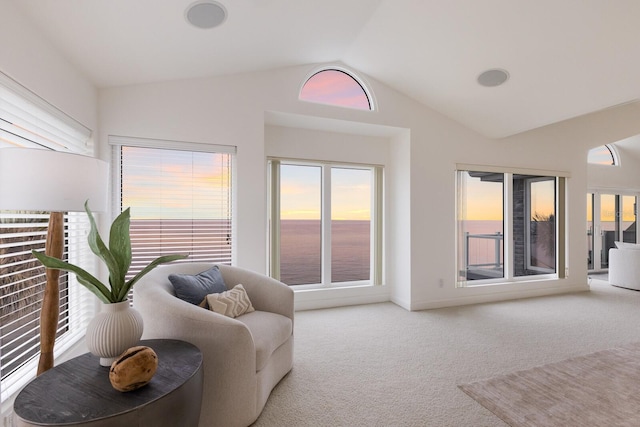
335 88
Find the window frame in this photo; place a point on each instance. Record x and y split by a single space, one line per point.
117 142
376 255
509 276
527 244
594 226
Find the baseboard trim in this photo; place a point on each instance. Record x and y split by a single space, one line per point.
497 296
313 299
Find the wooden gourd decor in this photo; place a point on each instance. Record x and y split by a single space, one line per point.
133 369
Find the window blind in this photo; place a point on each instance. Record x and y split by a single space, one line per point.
28 121
180 196
22 284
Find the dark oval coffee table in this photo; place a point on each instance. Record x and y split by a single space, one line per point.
78 393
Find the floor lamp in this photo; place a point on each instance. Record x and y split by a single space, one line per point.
55 182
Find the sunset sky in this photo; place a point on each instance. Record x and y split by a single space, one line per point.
336 88
300 188
608 208
483 200
175 184
154 183
600 156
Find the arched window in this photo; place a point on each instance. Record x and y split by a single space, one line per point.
336 87
603 155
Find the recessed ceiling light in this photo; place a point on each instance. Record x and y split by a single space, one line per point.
206 14
494 77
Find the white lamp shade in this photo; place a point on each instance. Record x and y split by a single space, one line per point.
52 181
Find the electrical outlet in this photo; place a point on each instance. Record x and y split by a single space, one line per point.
441 283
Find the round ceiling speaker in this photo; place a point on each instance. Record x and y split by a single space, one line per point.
206 14
494 77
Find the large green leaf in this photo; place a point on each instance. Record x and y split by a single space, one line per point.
117 259
153 264
84 277
120 241
116 276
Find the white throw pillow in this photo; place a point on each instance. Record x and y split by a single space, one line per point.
232 303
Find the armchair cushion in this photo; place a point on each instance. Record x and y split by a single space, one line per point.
232 303
269 331
194 288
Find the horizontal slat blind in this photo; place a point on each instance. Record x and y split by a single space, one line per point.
22 283
28 121
180 200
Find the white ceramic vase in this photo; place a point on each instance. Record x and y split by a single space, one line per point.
116 328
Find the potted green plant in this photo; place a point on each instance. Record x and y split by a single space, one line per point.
117 258
118 326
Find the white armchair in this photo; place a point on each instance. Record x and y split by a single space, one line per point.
243 358
624 266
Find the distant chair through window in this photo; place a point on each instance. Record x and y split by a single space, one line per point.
336 87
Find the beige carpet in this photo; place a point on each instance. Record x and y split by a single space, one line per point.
599 389
379 365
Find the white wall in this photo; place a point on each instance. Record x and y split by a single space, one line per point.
250 110
260 113
31 60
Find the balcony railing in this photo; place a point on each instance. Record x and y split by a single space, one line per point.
487 251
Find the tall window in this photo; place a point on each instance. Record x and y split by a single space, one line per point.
30 122
180 196
325 223
336 87
540 225
300 224
480 225
610 218
507 226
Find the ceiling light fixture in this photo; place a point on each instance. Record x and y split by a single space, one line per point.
206 14
493 77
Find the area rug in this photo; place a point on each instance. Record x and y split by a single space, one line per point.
598 389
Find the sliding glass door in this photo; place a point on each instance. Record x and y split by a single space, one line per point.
610 218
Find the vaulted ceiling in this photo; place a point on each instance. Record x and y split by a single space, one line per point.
565 58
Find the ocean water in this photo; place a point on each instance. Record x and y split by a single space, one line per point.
202 240
300 246
301 249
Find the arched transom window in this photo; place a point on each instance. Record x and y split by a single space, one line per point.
603 155
336 87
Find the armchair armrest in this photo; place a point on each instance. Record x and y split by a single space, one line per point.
265 293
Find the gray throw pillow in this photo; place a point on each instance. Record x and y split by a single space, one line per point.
195 288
